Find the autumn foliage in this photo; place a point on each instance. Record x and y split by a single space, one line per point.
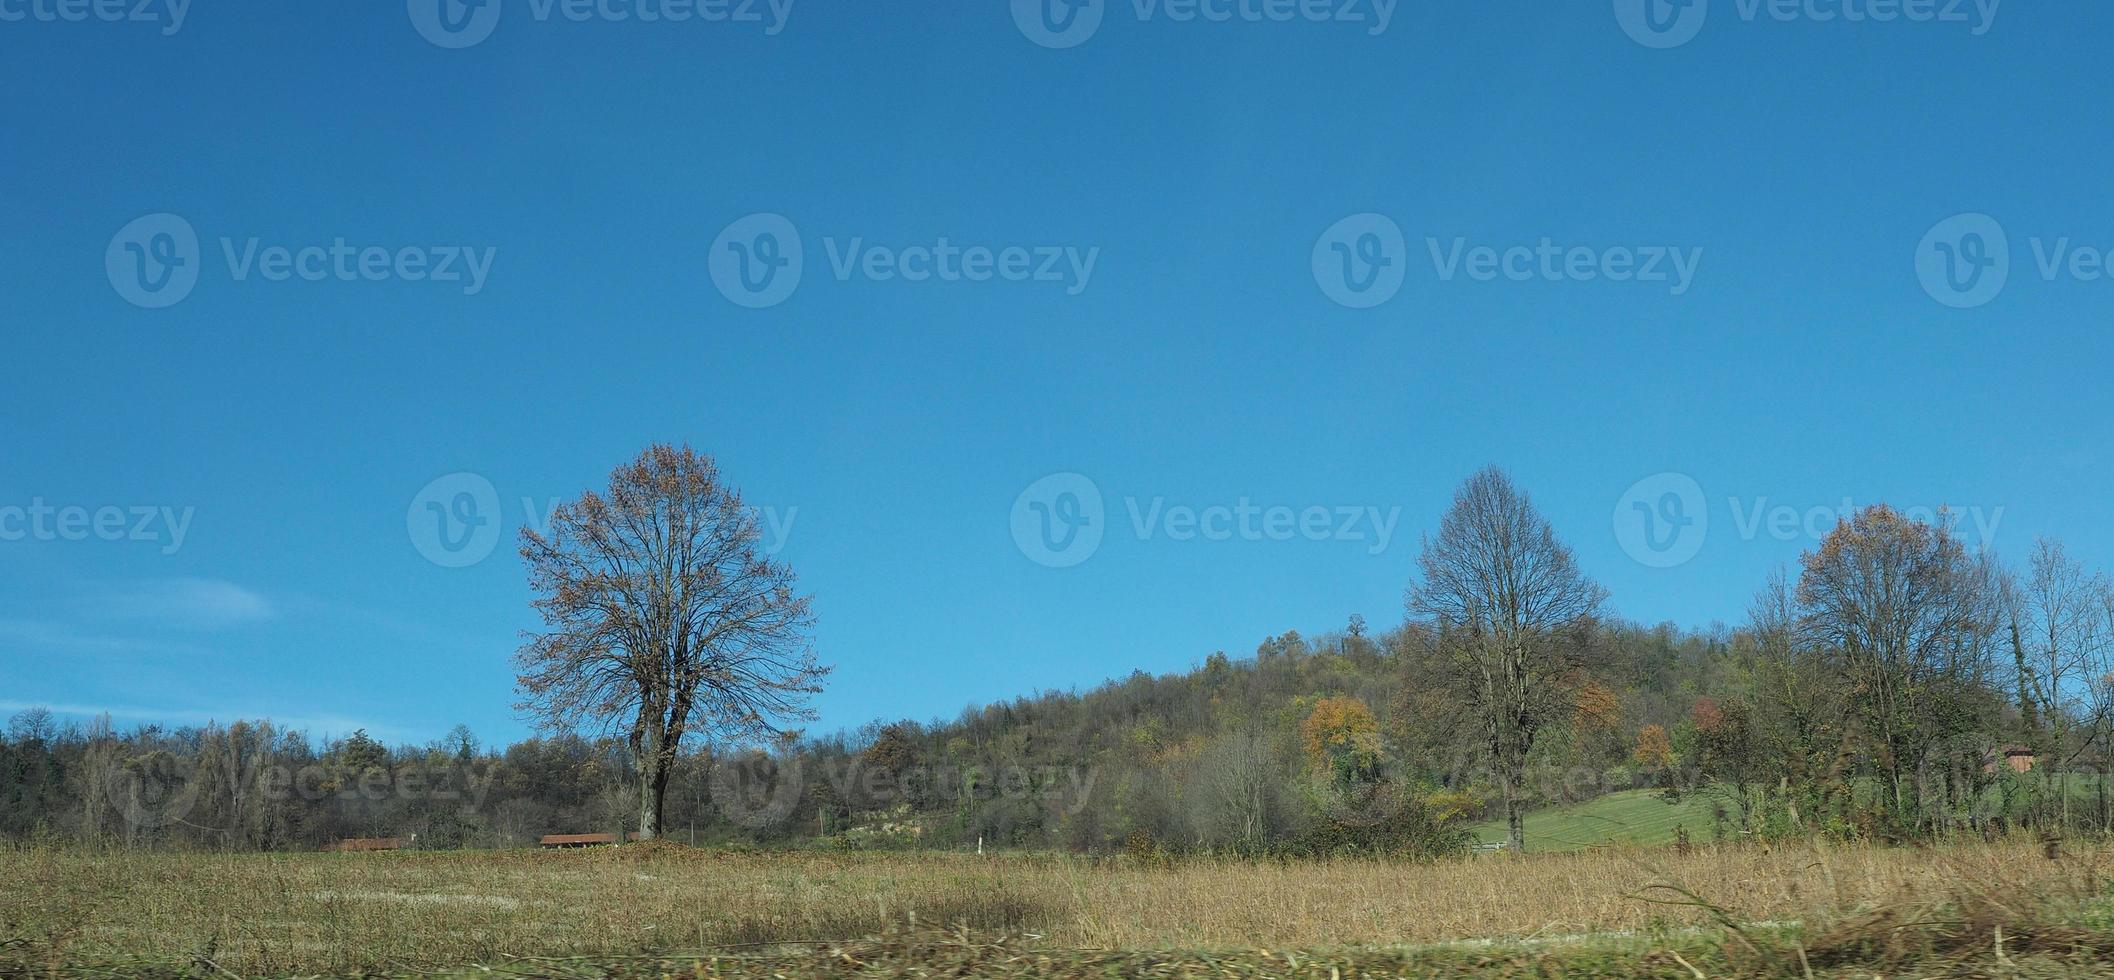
1598 708
1341 736
1654 749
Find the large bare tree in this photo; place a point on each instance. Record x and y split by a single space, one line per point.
661 614
1908 615
1509 614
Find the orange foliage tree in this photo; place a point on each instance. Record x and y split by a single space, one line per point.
1341 736
1654 749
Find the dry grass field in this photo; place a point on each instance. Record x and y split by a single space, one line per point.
657 909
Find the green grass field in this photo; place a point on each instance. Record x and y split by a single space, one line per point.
1644 818
1639 817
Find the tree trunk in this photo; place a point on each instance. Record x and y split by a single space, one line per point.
653 782
1515 826
2101 790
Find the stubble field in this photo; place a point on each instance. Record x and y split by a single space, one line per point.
662 909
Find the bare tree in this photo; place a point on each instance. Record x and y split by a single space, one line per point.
1801 706
660 612
1235 786
2099 687
2061 643
1509 613
1909 617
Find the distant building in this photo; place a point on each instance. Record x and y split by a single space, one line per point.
2018 757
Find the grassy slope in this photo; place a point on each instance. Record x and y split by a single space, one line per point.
1644 818
1634 817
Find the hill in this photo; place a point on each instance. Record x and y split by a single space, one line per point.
1327 745
1313 745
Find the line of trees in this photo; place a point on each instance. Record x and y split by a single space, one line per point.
1883 689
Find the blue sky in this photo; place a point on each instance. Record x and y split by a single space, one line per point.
1216 359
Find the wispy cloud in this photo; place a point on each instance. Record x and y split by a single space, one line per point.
154 616
48 635
182 603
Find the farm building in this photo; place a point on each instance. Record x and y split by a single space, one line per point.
2018 758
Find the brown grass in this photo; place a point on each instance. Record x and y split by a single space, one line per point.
398 911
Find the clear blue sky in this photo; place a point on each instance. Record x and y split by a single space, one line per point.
1206 360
